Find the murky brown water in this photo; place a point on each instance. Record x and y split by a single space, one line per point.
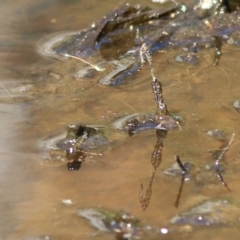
39 98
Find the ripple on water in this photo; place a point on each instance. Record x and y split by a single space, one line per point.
46 46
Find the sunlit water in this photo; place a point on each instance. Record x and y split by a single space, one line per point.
40 97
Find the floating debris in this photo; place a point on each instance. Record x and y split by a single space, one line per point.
127 227
124 225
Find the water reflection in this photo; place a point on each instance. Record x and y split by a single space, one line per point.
156 161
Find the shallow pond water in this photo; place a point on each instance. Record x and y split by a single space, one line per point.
39 98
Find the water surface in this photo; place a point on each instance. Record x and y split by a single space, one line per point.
40 97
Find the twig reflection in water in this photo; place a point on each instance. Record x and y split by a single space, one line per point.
184 174
156 161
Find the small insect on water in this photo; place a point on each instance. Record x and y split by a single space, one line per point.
79 141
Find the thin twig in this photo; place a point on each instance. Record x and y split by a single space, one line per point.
217 165
98 68
156 85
